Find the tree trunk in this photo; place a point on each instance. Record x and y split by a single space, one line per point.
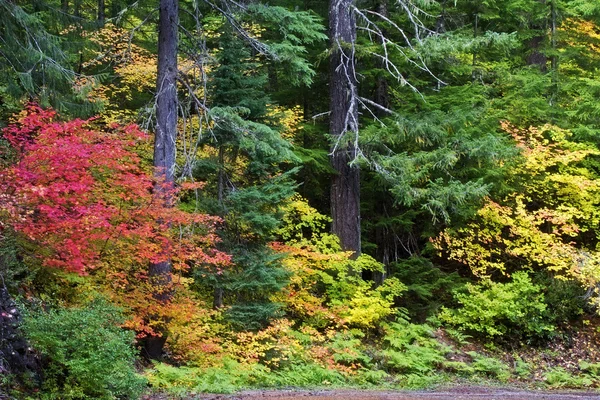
218 293
345 185
536 56
221 176
383 99
101 12
218 298
164 152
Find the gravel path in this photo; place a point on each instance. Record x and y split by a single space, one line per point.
458 393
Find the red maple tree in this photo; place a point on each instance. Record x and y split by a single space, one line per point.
84 197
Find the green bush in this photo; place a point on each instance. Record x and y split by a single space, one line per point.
566 299
489 367
522 369
86 354
513 309
428 287
412 349
181 381
232 376
559 378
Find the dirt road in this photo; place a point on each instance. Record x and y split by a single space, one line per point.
450 394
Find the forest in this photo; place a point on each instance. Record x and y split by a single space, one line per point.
207 196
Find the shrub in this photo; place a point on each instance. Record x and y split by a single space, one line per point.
514 309
232 376
489 367
558 377
86 354
566 299
428 287
412 349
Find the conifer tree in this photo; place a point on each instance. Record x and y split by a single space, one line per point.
250 186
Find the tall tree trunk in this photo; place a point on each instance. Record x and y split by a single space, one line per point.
221 176
345 185
383 99
218 293
101 12
164 152
536 56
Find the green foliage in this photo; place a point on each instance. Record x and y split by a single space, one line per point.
566 298
357 301
428 287
489 367
37 61
492 140
86 354
412 349
559 378
348 348
522 368
501 310
289 34
233 376
12 269
253 217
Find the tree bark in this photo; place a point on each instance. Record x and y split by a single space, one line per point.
345 185
536 56
101 12
383 99
164 153
221 176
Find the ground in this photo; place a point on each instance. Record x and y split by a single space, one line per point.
457 393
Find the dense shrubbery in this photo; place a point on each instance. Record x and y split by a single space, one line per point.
502 310
85 352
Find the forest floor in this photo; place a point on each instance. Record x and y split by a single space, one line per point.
456 393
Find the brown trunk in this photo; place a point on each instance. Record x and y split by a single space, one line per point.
273 80
221 176
345 185
64 6
382 98
101 12
164 152
218 293
218 298
536 57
